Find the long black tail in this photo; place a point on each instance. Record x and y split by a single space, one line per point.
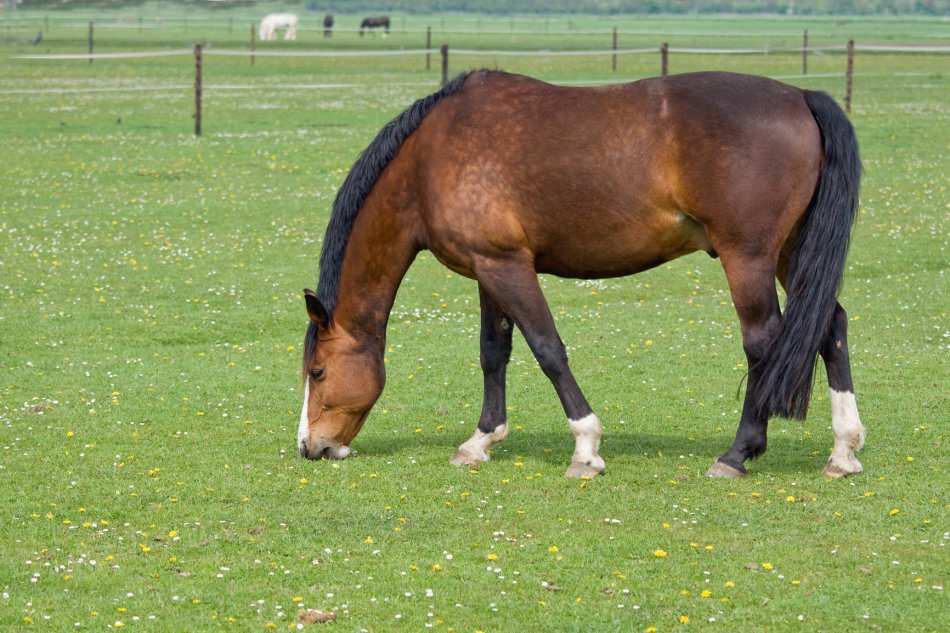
783 380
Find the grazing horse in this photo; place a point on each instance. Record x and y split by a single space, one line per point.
503 177
274 21
375 23
328 25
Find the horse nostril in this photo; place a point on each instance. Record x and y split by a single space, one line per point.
303 449
323 454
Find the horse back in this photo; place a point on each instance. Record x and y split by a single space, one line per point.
606 181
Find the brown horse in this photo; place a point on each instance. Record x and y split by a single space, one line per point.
503 177
382 22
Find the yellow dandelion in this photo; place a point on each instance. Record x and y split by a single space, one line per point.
894 511
767 566
684 619
659 553
553 549
492 557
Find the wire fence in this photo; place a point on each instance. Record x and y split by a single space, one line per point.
199 52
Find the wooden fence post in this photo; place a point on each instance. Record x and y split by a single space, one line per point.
805 53
253 41
445 64
613 58
849 74
90 42
197 89
664 58
428 47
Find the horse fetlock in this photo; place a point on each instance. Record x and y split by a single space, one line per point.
586 460
477 449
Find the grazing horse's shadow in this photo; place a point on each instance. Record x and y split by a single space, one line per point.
554 447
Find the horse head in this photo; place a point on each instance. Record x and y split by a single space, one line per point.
343 378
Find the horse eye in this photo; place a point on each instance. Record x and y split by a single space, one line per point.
316 374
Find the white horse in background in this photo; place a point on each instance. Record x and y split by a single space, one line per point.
274 21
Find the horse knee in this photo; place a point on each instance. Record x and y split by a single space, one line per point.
495 356
757 338
552 357
837 336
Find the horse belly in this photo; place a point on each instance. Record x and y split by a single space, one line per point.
616 249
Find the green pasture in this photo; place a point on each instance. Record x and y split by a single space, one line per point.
151 322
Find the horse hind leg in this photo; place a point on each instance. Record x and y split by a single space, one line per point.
845 421
495 343
752 282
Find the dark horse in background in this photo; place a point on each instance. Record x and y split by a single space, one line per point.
375 23
503 177
328 25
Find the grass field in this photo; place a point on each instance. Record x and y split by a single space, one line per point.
151 323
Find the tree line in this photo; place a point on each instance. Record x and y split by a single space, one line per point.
601 7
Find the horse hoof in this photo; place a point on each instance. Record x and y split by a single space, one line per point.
585 469
720 469
834 470
465 458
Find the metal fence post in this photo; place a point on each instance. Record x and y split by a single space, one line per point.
805 53
849 75
197 89
613 58
445 64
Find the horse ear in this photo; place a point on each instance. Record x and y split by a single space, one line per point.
318 314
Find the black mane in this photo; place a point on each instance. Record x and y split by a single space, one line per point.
356 187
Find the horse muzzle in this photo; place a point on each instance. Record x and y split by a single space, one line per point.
323 450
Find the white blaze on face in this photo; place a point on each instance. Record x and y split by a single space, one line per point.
849 432
303 430
587 432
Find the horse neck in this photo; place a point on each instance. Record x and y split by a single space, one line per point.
379 251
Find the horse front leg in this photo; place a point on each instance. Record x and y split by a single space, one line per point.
513 283
495 352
